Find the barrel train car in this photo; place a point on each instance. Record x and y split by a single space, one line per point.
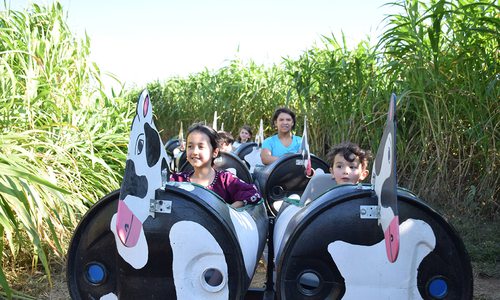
332 248
154 239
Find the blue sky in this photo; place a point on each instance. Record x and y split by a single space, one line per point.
142 41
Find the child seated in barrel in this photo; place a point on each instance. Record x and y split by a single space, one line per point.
225 141
284 141
244 136
202 147
348 163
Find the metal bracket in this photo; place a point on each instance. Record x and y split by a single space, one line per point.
299 162
369 212
159 206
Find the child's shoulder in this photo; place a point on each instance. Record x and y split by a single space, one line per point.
228 177
224 173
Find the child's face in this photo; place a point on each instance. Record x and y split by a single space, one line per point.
284 123
199 151
244 135
344 171
226 147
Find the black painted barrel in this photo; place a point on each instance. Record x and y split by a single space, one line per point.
172 148
227 161
171 145
333 248
181 161
197 249
245 149
284 177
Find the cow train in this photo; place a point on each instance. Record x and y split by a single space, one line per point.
155 239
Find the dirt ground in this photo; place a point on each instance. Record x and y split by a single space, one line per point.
484 288
487 288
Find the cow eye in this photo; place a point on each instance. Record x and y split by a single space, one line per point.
139 144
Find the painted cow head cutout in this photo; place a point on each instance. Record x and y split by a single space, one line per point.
146 158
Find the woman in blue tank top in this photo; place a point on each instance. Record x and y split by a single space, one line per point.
284 141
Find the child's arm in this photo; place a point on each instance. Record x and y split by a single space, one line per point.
241 192
238 204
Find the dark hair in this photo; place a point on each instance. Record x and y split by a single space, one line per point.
347 149
247 128
285 110
213 136
225 137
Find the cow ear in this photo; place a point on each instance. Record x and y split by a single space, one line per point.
144 108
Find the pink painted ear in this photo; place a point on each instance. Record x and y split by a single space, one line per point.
145 106
128 227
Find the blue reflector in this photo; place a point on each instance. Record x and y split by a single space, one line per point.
95 273
438 288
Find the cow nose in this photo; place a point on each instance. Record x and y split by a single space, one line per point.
133 184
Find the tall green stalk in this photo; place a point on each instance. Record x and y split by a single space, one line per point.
62 141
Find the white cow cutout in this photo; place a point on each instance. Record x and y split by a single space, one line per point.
369 275
253 159
191 260
127 223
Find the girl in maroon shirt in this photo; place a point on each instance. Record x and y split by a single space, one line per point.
202 148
